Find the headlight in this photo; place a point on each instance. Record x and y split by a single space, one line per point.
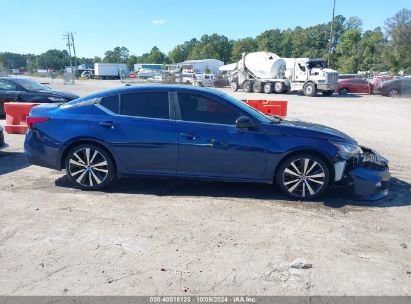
347 150
56 99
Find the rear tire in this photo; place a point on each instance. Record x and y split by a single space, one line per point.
343 91
310 89
247 86
268 88
303 177
257 87
89 167
279 87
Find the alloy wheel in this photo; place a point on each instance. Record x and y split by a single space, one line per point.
394 93
88 167
304 177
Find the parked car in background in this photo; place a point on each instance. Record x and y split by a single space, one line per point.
156 78
203 80
146 73
26 90
190 132
379 79
396 87
86 74
2 142
221 82
354 85
132 75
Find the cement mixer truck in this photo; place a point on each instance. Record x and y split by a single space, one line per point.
266 72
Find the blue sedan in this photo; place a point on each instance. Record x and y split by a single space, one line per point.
179 131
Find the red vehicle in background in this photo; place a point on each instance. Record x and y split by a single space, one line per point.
354 85
132 75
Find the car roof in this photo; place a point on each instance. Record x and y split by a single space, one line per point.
150 88
13 79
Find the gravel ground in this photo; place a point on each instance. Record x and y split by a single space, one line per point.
146 237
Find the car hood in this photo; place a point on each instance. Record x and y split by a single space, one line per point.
301 128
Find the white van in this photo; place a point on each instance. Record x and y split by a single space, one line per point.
204 80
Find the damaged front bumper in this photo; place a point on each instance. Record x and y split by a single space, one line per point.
367 174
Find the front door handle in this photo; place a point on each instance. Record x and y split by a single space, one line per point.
108 124
17 97
188 135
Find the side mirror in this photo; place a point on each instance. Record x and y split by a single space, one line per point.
244 122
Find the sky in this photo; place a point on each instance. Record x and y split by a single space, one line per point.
35 26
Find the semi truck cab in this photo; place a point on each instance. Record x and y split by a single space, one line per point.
311 76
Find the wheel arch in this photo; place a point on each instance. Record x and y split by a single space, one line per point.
82 141
310 81
317 153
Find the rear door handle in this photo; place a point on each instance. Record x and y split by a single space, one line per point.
108 124
188 135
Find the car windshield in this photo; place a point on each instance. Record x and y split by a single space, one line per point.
248 109
31 85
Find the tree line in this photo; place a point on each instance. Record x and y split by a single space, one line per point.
352 49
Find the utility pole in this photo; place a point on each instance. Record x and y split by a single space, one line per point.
74 49
67 35
331 36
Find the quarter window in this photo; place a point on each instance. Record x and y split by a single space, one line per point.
145 104
202 109
111 103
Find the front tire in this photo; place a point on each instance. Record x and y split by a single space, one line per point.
310 89
234 86
303 176
394 93
89 167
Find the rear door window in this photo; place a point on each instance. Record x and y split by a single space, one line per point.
145 104
7 86
111 103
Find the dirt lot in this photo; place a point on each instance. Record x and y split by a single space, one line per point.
145 237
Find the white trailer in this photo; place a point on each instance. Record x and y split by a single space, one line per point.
110 70
266 72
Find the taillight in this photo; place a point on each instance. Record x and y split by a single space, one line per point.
33 120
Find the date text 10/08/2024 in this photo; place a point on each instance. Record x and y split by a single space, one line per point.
203 299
